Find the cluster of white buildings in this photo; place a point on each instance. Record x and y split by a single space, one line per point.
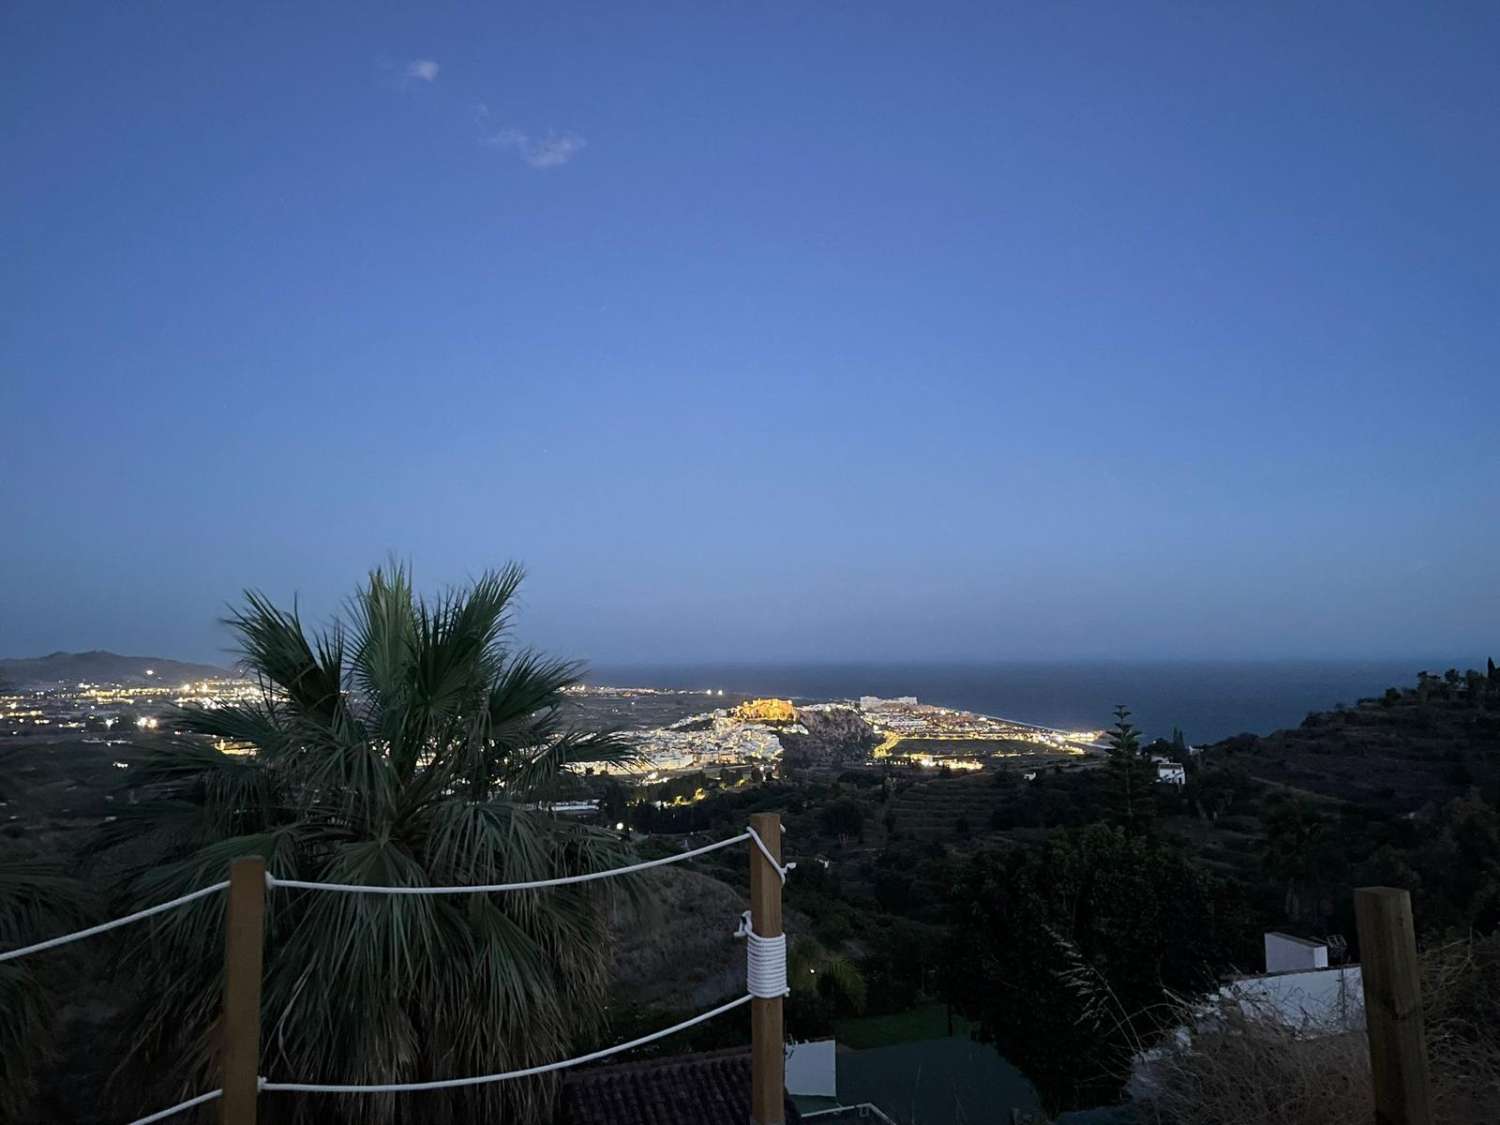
716 739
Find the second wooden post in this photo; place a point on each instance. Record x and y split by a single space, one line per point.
244 940
1393 1006
767 1039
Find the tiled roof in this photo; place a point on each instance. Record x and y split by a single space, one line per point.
708 1089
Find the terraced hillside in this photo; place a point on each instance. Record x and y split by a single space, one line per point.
932 809
1395 754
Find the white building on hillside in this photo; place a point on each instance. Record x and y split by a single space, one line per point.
1298 991
1288 954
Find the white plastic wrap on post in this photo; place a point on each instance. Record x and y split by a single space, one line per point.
765 962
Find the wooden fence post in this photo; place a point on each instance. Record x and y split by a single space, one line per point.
1393 1006
244 940
767 1039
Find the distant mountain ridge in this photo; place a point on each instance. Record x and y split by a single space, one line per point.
101 667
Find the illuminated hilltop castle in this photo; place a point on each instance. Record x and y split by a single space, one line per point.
766 711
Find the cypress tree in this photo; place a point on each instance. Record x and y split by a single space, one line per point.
1131 776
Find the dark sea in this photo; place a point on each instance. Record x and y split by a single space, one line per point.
1208 700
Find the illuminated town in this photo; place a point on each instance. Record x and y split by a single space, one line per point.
901 731
752 734
907 726
112 709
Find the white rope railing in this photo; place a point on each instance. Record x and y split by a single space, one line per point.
52 943
532 884
781 868
362 888
163 1114
489 888
479 1080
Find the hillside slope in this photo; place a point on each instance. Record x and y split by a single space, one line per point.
98 666
675 947
1396 753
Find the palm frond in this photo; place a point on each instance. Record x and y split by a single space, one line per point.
383 631
274 646
240 725
23 1020
532 772
34 893
36 900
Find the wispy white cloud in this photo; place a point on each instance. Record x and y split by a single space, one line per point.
426 70
550 151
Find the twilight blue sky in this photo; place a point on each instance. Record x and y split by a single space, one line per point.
759 331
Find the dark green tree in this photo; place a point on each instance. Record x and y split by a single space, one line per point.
1180 752
1063 954
1295 832
1218 789
1459 862
1131 776
612 802
844 818
824 986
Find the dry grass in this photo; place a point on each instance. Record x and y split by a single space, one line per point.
1461 1004
1253 1069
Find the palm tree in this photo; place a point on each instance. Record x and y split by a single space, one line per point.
406 744
36 899
812 968
824 985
